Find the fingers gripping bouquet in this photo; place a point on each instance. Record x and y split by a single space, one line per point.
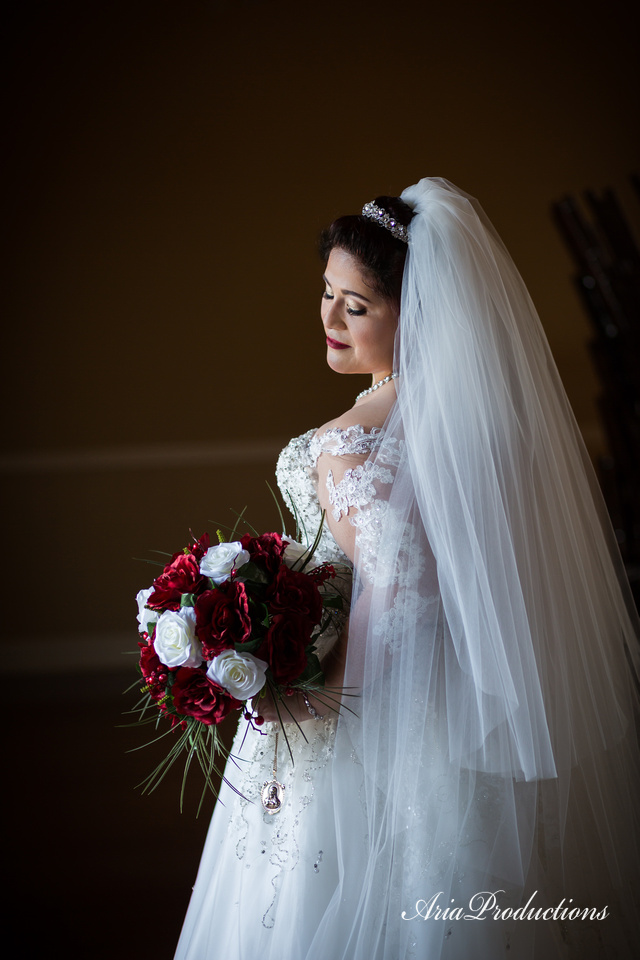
226 624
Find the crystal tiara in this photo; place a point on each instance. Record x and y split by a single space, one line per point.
398 230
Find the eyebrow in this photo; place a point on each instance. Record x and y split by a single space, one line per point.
348 293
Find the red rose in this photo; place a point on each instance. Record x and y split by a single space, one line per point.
152 669
222 618
180 576
284 647
324 572
199 547
267 550
295 591
195 695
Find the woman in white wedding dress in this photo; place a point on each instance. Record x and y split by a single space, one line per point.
481 799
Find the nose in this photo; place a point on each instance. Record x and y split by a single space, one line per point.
331 317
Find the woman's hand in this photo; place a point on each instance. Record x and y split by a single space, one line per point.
294 708
291 708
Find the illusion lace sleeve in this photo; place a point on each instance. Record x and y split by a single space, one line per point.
356 472
353 488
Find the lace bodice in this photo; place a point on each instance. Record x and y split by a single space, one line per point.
297 478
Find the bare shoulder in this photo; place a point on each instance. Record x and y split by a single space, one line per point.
368 414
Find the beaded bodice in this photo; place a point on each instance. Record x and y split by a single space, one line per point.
297 479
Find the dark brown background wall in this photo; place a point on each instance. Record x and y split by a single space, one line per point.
169 168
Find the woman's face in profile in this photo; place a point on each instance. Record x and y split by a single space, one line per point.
359 324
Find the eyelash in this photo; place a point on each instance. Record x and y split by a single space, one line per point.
352 313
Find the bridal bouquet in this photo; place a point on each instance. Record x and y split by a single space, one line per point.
222 625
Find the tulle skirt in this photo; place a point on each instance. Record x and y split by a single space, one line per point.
289 886
265 881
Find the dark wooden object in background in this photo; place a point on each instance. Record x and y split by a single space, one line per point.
608 279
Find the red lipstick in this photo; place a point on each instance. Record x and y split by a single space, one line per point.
336 345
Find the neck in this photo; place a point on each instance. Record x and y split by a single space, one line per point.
376 385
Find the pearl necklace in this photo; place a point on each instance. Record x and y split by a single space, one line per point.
376 386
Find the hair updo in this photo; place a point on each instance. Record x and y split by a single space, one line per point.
381 254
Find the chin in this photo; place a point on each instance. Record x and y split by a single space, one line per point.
337 365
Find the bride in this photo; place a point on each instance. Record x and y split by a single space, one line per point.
478 799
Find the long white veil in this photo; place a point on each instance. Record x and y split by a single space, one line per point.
493 636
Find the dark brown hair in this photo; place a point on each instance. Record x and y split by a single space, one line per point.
381 254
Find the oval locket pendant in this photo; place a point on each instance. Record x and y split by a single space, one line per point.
272 795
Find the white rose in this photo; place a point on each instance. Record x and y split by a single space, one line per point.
219 561
241 674
146 618
293 551
175 640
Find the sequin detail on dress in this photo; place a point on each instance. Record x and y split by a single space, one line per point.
279 840
297 479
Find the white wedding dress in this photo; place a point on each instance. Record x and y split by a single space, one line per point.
493 642
265 881
289 886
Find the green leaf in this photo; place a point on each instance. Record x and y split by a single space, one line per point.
275 499
188 600
313 671
314 545
239 519
249 646
260 612
251 573
333 602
